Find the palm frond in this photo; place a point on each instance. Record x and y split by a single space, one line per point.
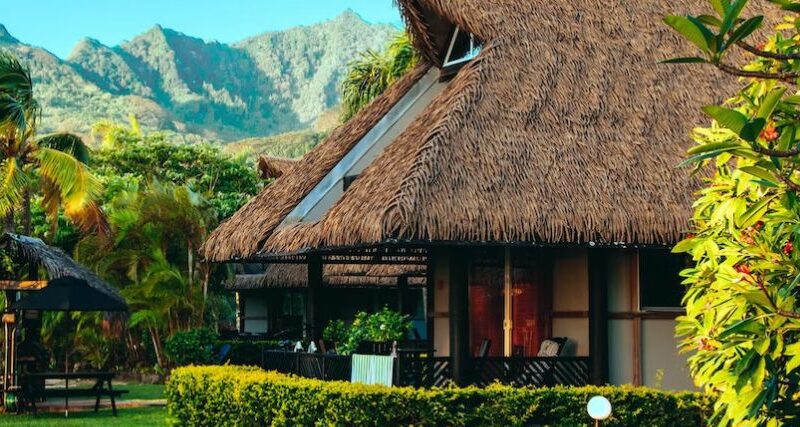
68 143
13 181
75 185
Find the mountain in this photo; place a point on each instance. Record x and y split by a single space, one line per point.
272 83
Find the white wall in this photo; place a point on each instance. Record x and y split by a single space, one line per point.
441 305
660 357
571 294
255 306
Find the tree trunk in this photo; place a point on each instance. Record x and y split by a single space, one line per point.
10 227
157 346
26 212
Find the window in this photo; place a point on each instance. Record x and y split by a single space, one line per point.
347 181
660 287
463 47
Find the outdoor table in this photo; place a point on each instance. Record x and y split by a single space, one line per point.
98 390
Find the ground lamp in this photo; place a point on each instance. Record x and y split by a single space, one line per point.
599 408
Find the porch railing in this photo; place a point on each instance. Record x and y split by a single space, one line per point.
532 371
418 370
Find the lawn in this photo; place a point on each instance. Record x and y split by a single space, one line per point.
125 417
141 391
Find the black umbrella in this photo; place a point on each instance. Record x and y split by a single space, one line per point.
70 294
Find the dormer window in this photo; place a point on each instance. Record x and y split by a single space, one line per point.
463 48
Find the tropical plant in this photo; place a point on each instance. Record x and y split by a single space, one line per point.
153 257
383 326
372 72
194 346
53 167
742 320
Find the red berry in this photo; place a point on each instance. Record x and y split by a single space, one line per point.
743 268
788 247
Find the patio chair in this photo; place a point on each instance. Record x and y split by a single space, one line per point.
552 348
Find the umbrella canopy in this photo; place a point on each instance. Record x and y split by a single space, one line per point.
70 294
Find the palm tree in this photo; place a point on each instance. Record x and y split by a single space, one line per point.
157 230
53 167
370 74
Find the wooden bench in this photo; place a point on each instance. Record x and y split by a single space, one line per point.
102 388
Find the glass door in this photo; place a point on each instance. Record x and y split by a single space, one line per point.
486 303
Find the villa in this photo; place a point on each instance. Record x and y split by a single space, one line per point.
520 184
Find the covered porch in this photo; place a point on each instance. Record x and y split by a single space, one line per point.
492 312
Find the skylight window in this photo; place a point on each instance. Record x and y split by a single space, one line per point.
463 48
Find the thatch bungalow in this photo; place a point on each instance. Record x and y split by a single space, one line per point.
529 164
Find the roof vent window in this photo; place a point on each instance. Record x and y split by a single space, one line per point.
463 47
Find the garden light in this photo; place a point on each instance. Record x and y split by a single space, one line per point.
599 408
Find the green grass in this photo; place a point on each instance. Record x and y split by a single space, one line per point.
138 417
141 391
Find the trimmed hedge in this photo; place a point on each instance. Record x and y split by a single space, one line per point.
245 396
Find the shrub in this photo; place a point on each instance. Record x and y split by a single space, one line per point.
383 326
194 346
243 396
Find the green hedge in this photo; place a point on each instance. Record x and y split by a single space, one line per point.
245 396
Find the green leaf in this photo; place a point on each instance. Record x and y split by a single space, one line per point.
746 326
685 245
714 146
727 118
769 102
752 129
720 6
710 20
732 15
754 212
744 30
759 172
688 29
684 60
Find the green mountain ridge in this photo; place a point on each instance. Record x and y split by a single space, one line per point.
265 85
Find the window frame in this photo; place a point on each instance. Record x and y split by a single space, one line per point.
447 62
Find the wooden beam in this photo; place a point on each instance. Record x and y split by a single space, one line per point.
598 314
313 330
459 317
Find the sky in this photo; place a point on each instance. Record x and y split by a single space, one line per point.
58 25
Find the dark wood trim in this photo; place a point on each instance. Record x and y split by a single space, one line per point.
430 296
569 314
636 324
312 304
645 315
598 314
459 317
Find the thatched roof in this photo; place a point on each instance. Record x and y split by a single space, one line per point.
244 233
270 167
565 129
55 262
296 276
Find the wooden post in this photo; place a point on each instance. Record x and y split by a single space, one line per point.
402 285
430 305
313 331
459 318
598 314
